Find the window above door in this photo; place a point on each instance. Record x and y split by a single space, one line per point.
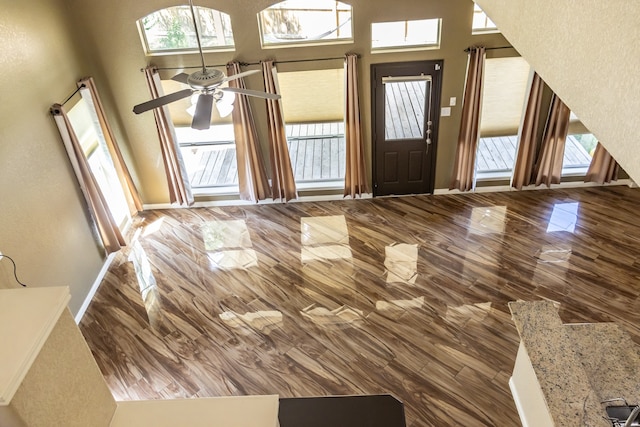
296 22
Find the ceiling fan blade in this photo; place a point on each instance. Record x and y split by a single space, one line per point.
182 78
237 76
250 92
202 116
163 100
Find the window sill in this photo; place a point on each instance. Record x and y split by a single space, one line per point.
231 190
575 172
305 44
320 185
399 49
479 31
493 175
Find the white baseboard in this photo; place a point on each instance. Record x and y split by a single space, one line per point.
504 188
237 202
94 287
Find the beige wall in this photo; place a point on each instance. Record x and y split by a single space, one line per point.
588 52
43 224
112 35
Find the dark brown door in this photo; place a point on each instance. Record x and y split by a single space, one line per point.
405 112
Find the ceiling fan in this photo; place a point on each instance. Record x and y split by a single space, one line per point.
207 82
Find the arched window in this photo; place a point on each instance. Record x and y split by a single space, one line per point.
171 30
306 22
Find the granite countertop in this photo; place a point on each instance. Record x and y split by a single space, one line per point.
578 366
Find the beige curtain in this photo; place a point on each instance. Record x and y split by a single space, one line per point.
528 136
465 161
89 93
549 164
282 181
603 167
355 179
108 230
177 178
252 177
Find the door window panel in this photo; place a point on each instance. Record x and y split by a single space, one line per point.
404 108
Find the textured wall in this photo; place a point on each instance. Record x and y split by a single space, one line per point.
589 53
64 386
43 225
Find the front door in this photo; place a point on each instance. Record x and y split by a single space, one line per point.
405 112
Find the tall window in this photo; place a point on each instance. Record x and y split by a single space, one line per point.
313 106
481 22
209 155
578 148
504 92
305 22
85 125
171 30
419 34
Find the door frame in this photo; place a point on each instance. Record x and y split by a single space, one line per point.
436 93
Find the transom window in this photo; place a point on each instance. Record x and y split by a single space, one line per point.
481 22
171 30
420 34
309 22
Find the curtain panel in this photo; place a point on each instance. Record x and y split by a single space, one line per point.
108 230
603 167
549 164
465 161
282 181
175 170
355 179
89 93
528 136
252 176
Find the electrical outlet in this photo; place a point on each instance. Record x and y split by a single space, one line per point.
1 256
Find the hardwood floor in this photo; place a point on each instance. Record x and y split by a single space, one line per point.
395 295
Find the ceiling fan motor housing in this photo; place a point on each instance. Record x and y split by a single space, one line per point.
207 79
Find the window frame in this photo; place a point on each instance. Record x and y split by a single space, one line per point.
189 50
408 47
482 30
305 43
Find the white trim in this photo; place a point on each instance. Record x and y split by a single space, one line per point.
516 399
237 202
94 287
504 188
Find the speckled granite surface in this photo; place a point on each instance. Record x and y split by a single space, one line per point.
610 359
577 365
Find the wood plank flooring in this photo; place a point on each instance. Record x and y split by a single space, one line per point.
395 295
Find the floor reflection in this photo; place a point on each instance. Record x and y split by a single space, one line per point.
228 245
324 238
564 217
394 309
488 220
401 262
464 313
146 281
263 320
343 315
154 227
554 254
551 267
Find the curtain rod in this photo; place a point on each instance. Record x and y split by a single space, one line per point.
492 48
74 92
245 64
